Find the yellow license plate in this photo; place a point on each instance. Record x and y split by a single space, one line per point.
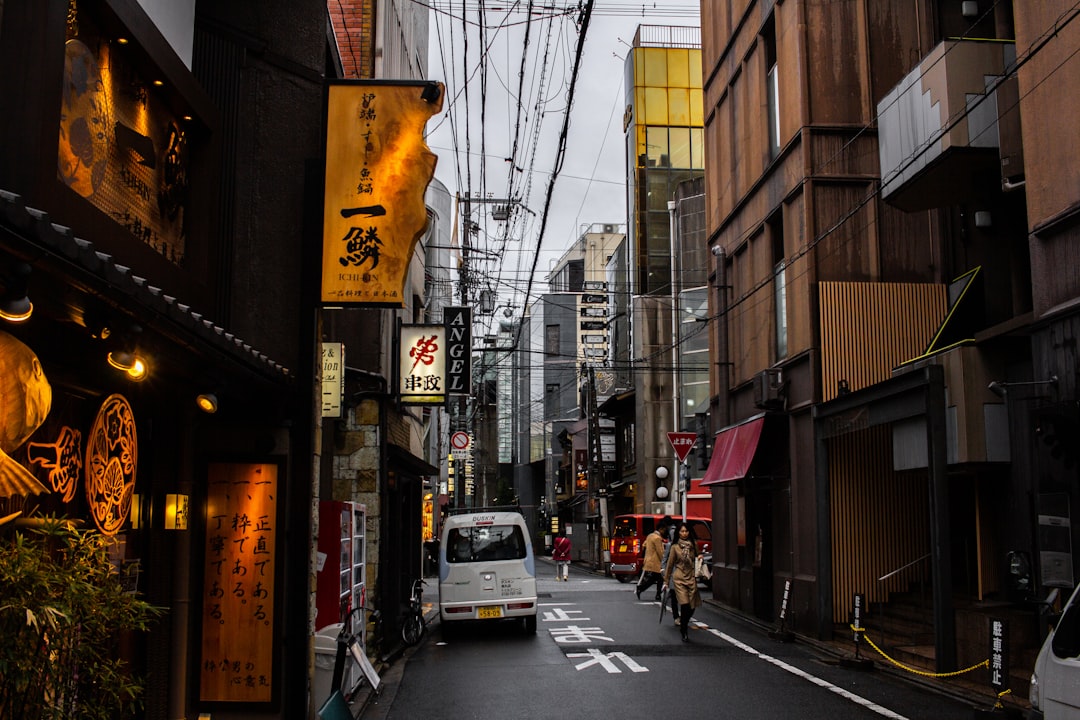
485 613
622 548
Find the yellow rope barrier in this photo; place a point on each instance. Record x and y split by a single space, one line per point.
984 663
1003 693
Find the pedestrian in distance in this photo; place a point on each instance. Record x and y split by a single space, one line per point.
561 555
669 542
679 577
654 559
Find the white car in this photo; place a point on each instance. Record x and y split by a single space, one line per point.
487 570
1055 683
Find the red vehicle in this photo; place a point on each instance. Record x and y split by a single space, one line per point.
628 535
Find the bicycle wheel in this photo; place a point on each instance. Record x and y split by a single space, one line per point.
413 628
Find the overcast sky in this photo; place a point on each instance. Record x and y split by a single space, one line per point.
590 187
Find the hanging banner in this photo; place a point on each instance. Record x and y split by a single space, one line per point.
458 322
377 169
422 364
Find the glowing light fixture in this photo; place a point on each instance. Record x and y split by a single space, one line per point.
15 305
136 511
207 402
176 511
125 357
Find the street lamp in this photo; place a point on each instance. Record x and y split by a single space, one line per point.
661 476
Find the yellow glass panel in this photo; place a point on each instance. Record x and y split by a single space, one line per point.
656 107
679 139
678 106
642 146
639 105
657 147
639 66
678 68
655 67
697 108
695 68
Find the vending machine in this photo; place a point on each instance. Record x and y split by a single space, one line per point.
342 562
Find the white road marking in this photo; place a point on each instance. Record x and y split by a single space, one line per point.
604 660
846 694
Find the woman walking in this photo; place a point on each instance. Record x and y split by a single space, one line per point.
679 577
561 555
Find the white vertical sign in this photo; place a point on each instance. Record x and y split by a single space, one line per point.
333 378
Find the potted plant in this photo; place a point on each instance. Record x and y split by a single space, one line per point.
63 608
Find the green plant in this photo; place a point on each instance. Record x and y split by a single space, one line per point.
62 609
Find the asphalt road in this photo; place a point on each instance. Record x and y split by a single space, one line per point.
600 653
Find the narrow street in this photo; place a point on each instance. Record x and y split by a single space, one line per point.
600 652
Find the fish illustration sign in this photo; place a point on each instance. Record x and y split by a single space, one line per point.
377 169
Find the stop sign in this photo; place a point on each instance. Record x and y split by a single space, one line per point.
682 443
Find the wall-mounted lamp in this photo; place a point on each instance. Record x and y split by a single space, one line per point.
207 402
15 305
1001 388
136 512
125 357
430 93
176 511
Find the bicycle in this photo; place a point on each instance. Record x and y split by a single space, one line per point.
413 624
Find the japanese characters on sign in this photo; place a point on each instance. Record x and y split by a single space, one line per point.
333 378
239 579
422 364
999 654
119 145
377 169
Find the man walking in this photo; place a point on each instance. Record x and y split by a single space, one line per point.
654 557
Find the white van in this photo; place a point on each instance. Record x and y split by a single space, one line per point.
1055 683
487 570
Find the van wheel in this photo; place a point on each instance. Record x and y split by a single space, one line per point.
623 578
529 622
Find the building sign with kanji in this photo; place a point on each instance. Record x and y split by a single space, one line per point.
422 364
238 640
377 169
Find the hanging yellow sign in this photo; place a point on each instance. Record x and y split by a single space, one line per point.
377 169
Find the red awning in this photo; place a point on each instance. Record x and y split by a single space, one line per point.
733 451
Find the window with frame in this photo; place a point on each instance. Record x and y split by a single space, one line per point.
551 341
776 238
772 85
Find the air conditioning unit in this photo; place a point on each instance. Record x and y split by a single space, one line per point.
609 228
769 389
663 508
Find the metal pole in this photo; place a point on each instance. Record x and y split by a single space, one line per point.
675 400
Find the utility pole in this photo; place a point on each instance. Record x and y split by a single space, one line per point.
596 468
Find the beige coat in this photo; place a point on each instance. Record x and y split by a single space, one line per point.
680 573
654 552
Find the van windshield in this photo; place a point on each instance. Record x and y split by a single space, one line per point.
490 542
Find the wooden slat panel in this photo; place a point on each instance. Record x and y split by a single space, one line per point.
879 519
867 329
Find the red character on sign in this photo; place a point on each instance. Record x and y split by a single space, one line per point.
424 351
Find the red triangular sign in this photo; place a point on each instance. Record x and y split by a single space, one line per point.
683 443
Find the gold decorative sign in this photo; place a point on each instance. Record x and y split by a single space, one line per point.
120 146
422 364
62 458
25 401
377 169
111 461
239 581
